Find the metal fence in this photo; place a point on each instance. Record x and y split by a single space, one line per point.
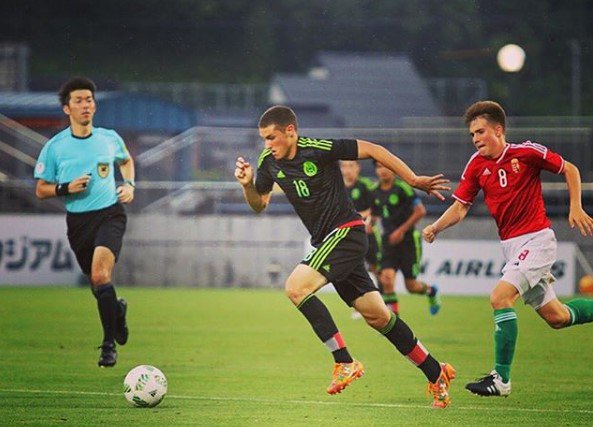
192 173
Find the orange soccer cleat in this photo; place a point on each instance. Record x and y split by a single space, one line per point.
440 389
344 374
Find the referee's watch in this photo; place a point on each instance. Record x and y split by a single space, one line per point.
130 182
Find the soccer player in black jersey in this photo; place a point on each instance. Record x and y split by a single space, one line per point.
398 208
307 170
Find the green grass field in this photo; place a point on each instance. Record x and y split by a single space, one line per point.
245 357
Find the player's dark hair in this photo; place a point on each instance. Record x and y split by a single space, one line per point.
279 115
490 110
75 83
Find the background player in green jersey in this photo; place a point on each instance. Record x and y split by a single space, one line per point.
307 170
77 166
360 191
399 209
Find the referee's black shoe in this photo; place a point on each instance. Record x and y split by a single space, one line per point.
121 326
108 355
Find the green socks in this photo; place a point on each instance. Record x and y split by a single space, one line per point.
581 311
505 337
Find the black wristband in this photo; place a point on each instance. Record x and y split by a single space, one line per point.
62 189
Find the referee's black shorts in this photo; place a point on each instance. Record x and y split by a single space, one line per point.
340 259
87 230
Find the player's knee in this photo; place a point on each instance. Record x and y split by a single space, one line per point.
387 280
100 277
378 319
498 302
295 293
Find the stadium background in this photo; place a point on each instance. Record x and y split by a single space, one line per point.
171 84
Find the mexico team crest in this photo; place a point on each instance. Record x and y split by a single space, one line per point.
103 170
310 168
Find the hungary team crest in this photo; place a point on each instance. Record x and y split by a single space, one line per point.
103 170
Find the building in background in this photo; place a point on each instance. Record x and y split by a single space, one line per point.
360 90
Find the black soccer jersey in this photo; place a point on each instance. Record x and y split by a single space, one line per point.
394 206
312 182
361 194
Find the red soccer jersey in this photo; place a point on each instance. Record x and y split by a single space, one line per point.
512 186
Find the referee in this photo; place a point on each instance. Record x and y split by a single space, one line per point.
77 166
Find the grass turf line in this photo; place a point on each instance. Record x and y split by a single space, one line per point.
245 357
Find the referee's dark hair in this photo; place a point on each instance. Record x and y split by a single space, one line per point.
279 115
75 83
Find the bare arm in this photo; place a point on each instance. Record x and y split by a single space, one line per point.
399 233
44 189
125 193
244 174
455 213
127 169
576 216
430 184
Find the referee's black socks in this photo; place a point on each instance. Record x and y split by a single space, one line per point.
107 304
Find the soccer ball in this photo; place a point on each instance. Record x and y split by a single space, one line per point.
145 386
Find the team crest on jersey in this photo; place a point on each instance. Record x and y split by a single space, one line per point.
515 165
310 168
393 199
103 170
40 167
355 194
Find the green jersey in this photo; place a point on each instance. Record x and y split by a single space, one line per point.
394 205
361 193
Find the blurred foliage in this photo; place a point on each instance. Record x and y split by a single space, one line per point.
233 41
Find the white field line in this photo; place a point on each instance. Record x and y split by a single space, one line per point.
305 402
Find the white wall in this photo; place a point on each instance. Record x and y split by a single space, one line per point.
239 251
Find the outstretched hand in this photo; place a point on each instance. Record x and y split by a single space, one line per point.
578 217
243 172
432 185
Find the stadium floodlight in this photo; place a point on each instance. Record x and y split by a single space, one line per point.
511 58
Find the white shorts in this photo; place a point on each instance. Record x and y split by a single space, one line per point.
529 260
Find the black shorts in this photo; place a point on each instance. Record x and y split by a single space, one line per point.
340 259
405 256
87 230
373 255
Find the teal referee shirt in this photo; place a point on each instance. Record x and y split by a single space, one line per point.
66 157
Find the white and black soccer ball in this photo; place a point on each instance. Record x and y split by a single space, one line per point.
145 386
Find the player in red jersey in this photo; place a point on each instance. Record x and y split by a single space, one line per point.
509 175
